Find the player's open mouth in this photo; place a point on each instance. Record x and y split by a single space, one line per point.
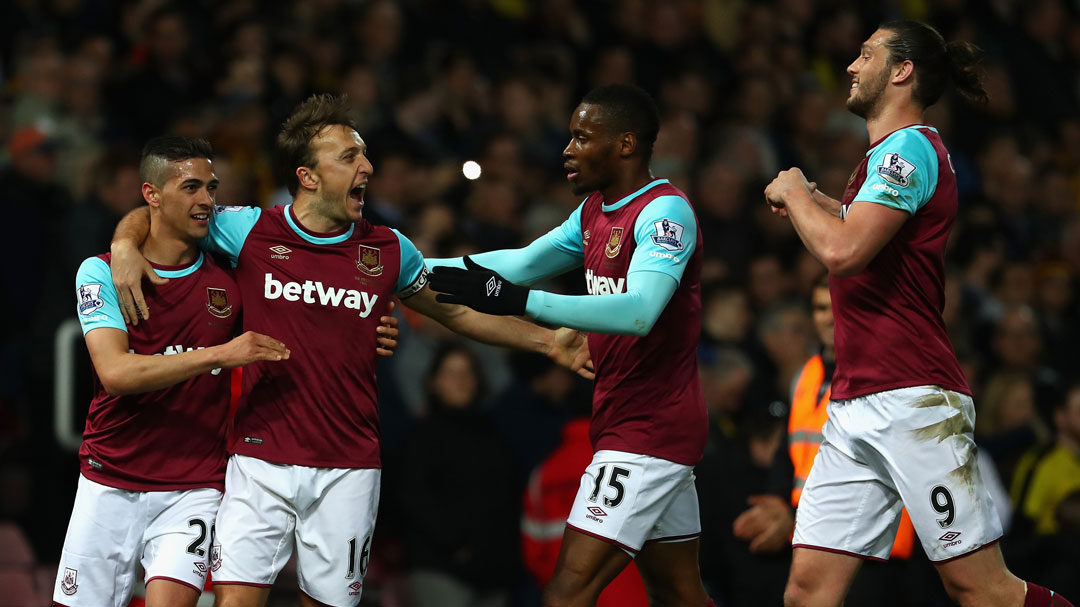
201 218
357 193
571 171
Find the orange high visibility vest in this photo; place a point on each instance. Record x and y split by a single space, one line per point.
809 411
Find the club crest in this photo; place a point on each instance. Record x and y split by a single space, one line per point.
215 557
218 302
370 261
585 238
70 584
614 244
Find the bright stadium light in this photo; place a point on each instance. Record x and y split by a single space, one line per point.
471 169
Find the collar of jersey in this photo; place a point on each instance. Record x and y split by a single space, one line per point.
178 271
625 199
903 128
311 236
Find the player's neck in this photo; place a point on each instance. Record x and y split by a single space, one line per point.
168 249
306 210
892 117
627 183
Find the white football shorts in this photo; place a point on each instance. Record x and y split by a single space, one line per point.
910 447
629 499
326 514
111 530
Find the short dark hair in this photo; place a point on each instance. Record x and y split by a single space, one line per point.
160 151
628 109
308 120
936 62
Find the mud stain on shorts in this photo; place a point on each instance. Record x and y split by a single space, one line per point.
952 426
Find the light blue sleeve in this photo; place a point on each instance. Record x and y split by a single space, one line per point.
412 275
229 228
554 253
901 172
633 312
567 236
666 235
95 297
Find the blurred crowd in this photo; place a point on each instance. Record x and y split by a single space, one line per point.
745 88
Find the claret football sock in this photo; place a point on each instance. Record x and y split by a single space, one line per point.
1038 596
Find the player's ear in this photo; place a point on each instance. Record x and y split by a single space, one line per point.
627 144
151 194
903 72
308 179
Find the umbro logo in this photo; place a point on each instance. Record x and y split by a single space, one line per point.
354 588
280 252
951 539
597 510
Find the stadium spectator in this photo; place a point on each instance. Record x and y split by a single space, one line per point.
461 527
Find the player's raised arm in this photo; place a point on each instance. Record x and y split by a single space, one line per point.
629 307
229 228
129 266
554 253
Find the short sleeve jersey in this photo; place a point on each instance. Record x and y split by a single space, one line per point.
647 398
889 329
321 295
173 438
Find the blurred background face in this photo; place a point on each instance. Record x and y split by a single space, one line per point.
454 381
1016 339
1017 406
1067 418
821 306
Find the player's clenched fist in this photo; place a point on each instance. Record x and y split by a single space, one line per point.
776 193
251 347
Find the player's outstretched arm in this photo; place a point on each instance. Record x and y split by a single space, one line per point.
554 253
122 372
129 266
631 313
565 347
528 265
